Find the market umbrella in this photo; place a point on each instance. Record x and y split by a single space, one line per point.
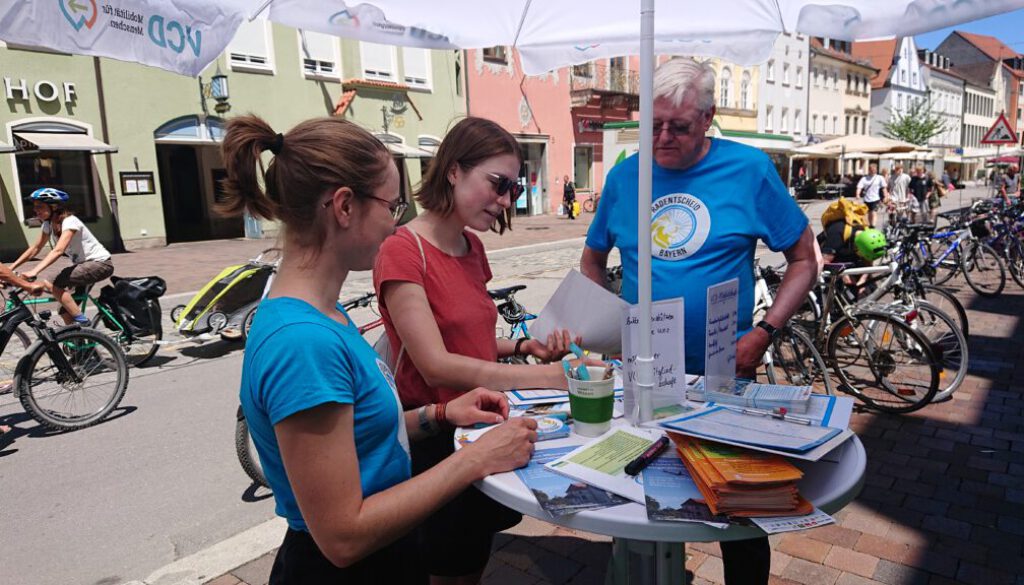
186 35
860 143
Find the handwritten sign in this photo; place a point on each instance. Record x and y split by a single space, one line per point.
667 349
720 356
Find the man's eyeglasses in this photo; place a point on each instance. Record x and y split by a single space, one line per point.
672 127
396 208
503 184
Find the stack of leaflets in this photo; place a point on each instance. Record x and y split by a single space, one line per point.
670 494
761 396
740 482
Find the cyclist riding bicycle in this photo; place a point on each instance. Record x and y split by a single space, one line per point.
69 237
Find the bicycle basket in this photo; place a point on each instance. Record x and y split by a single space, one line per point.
980 229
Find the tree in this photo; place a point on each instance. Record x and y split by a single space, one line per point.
918 125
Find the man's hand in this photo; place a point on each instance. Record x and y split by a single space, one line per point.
750 349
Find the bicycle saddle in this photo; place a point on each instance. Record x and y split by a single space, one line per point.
504 293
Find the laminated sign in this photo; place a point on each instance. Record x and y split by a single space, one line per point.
668 351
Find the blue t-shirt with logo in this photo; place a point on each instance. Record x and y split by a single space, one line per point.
705 224
297 358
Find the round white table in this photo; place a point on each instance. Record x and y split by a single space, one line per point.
830 483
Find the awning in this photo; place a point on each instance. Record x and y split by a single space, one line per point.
399 149
60 141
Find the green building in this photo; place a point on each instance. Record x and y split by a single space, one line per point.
142 144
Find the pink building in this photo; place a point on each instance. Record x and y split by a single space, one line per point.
556 117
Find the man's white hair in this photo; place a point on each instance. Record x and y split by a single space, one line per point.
675 77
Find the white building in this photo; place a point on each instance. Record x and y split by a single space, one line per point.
899 83
945 96
783 87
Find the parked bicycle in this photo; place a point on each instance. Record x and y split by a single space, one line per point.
69 378
245 449
590 204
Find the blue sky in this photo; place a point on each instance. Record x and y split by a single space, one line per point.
1008 28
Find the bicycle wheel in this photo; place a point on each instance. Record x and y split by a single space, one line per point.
16 348
883 361
246 451
74 382
946 268
793 360
947 302
588 205
983 269
138 349
1015 260
948 343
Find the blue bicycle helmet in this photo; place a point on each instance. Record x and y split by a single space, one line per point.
49 195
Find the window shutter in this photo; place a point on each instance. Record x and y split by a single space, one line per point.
250 44
377 62
320 56
416 65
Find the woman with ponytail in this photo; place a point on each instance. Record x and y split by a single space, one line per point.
322 408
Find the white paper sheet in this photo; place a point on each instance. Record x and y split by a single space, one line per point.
585 309
602 462
720 351
667 348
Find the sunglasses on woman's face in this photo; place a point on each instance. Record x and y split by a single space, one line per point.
503 185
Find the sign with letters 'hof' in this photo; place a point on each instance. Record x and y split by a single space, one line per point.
720 359
667 349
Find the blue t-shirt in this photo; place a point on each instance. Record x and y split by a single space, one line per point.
297 358
705 223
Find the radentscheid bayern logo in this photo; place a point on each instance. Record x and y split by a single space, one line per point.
679 226
79 12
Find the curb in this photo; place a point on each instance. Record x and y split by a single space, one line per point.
220 558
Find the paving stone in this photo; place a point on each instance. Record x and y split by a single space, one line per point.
805 548
508 575
871 524
947 526
256 572
832 534
972 574
779 562
930 560
809 573
851 561
851 579
1011 524
883 548
712 570
894 574
228 579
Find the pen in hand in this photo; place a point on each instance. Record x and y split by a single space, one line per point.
644 459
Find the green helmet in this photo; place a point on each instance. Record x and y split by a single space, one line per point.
870 244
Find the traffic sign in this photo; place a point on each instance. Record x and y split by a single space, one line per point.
1000 133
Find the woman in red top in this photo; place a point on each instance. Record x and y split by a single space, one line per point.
431 279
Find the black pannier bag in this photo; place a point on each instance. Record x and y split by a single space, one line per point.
134 303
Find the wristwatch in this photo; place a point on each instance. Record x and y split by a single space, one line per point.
772 330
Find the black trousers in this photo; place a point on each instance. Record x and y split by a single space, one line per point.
300 562
746 562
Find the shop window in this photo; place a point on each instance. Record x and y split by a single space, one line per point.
68 170
496 55
416 67
252 49
378 61
320 56
584 70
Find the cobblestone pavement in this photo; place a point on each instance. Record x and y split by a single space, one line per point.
944 496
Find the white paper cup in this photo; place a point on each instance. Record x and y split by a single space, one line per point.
591 403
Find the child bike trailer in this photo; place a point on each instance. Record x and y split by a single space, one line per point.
227 304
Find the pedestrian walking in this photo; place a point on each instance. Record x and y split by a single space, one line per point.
569 197
874 191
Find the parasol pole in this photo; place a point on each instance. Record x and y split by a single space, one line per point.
645 359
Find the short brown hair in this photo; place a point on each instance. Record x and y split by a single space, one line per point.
314 157
468 144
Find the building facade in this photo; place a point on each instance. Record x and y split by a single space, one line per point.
945 98
533 109
783 89
829 105
145 142
987 61
899 84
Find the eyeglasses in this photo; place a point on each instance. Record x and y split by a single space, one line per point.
396 207
675 129
503 185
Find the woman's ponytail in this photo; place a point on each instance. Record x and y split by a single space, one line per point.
244 142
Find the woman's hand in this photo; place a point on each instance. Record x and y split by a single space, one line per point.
479 405
556 347
559 381
30 275
504 448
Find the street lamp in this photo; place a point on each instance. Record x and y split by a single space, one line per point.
216 89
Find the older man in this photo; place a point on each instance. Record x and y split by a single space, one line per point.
1009 184
712 201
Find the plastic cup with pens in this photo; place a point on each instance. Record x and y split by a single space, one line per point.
591 397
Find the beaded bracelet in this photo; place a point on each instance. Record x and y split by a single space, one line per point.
439 414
